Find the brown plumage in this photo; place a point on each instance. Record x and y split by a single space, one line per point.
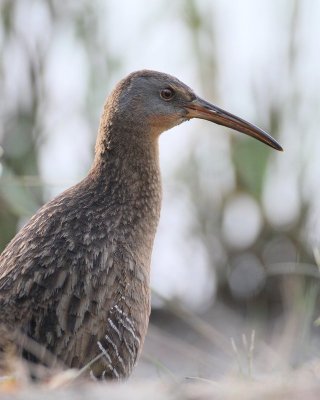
75 279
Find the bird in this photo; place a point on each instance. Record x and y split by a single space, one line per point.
75 279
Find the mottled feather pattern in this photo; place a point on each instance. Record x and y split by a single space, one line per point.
76 277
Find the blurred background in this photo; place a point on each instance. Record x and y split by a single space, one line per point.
235 270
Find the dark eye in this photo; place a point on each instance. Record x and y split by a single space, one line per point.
167 94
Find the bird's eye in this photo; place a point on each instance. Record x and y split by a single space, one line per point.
167 94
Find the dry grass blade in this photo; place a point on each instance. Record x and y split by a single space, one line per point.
197 324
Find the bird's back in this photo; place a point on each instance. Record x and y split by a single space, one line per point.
72 282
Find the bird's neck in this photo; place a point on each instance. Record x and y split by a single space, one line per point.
126 170
126 153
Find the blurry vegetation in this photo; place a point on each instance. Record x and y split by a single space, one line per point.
18 132
270 275
250 161
24 96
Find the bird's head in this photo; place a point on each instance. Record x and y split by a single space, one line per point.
160 101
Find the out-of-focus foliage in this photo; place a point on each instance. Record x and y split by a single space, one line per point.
28 34
18 131
241 206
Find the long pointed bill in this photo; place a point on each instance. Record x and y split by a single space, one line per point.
202 109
